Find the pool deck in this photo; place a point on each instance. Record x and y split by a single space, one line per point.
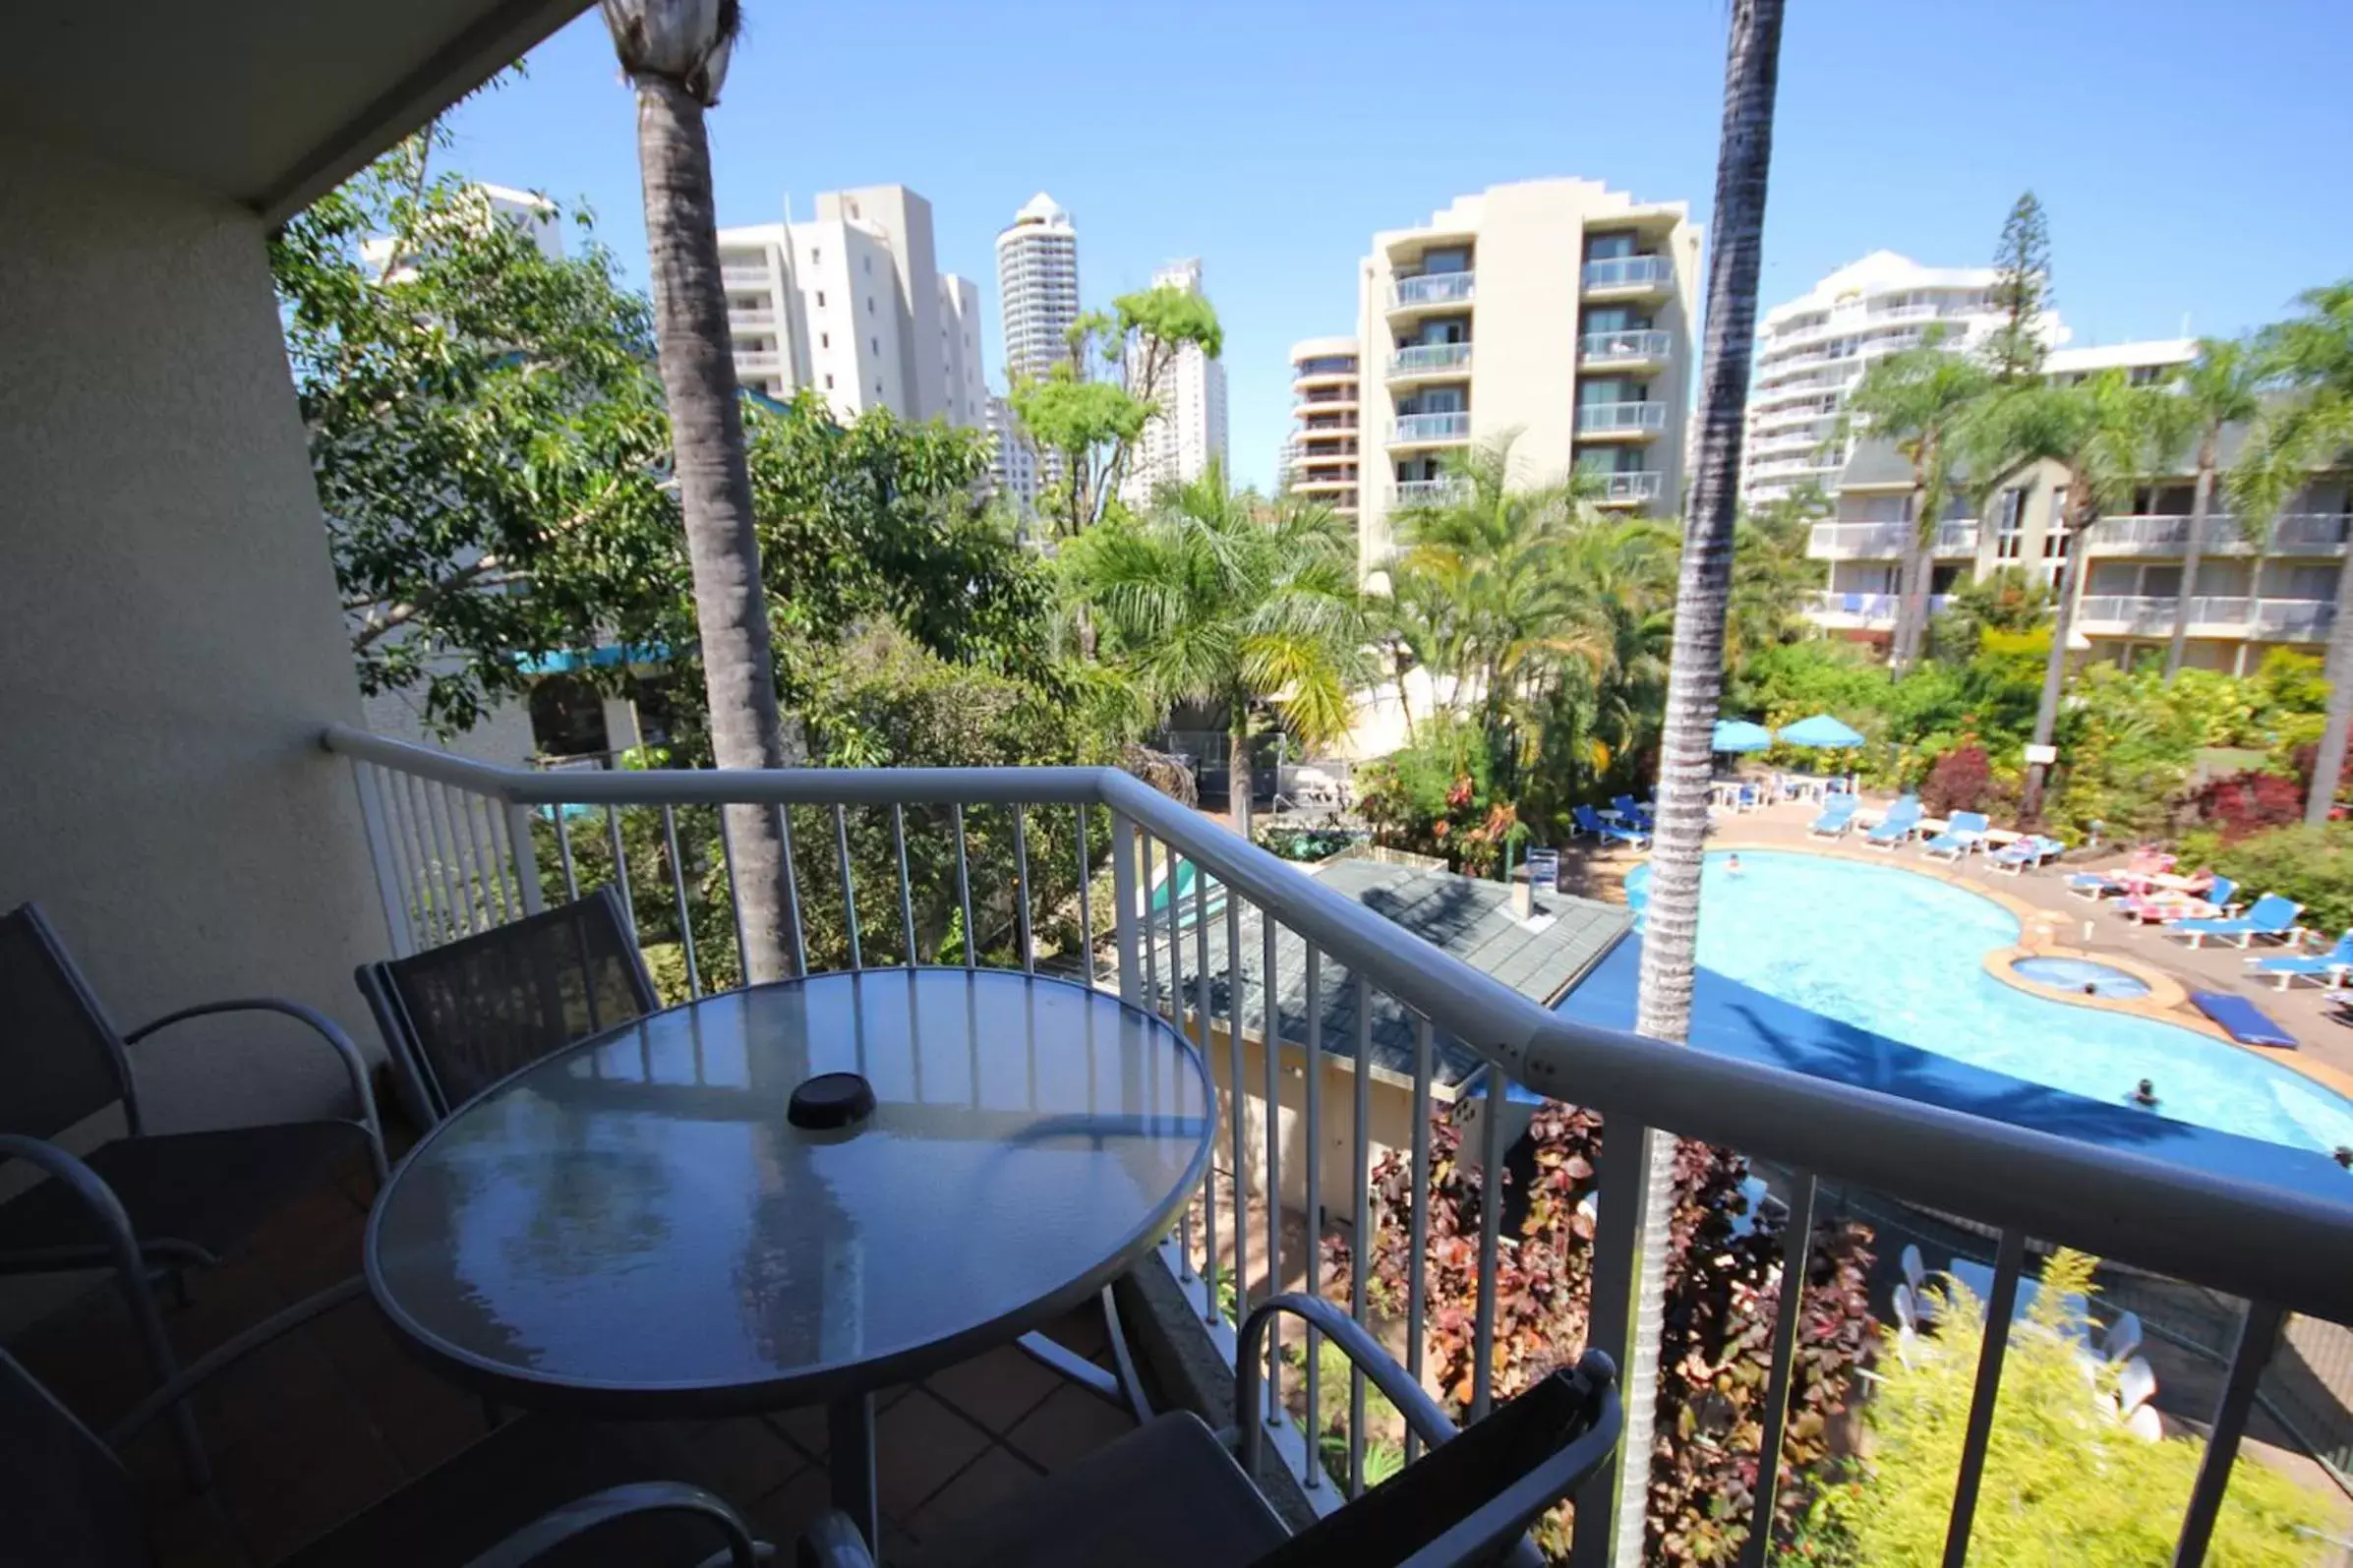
2083 929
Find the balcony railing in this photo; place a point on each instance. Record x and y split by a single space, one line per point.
1411 428
758 362
1432 288
1617 348
745 277
459 847
1594 419
751 320
1426 492
1631 485
1629 272
2142 615
1430 359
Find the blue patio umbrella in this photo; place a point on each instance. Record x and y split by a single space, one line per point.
1821 732
1738 735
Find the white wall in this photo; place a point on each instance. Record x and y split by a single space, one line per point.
172 640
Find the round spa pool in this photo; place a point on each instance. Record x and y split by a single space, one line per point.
2080 975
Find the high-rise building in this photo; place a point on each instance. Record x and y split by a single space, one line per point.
1814 349
1554 314
1012 463
851 303
1180 442
1038 286
1321 459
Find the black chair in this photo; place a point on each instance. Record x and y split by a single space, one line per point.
457 1019
1168 1494
611 1494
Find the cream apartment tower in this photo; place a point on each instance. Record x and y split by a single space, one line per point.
1556 314
853 303
1038 286
1180 442
1322 458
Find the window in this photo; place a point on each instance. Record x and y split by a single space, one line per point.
2008 528
816 255
821 298
870 267
869 304
875 344
829 384
825 340
878 388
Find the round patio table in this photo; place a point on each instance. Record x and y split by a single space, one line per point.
652 1223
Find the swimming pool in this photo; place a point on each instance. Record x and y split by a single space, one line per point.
1901 954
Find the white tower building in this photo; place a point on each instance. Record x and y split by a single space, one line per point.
1188 434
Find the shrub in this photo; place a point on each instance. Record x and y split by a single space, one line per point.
1722 1300
2311 865
1437 798
2065 1482
1962 780
2240 803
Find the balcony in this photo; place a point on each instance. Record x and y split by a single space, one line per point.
1430 430
1627 487
2294 619
1427 492
1430 290
1885 541
746 277
751 320
1424 361
2310 534
1646 346
759 362
1629 275
2143 616
1637 421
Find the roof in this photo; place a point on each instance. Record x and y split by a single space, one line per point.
1468 918
265 102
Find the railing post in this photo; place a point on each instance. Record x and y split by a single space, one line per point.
1123 895
380 852
1623 1168
2258 1333
524 851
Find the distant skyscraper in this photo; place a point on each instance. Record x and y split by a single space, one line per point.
1038 286
1320 461
1012 465
1188 434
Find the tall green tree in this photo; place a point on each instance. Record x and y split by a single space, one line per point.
2309 358
2021 292
1917 399
2104 434
675 54
1211 600
2220 388
1695 684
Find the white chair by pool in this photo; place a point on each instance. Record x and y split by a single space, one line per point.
1916 1271
2136 1386
1907 1309
2123 1338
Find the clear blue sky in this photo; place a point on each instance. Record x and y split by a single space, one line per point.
2191 156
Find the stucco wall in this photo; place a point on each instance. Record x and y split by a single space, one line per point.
169 639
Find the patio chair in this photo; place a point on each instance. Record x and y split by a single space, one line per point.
1915 1267
2329 968
2164 907
1590 821
2028 853
2130 877
1902 821
510 1499
1168 1495
1837 817
1631 812
2124 1337
460 1018
1963 830
2270 916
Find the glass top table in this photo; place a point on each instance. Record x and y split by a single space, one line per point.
637 1226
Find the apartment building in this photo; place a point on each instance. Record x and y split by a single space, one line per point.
1321 459
1179 442
1811 351
2248 596
1038 286
851 303
1011 462
1554 314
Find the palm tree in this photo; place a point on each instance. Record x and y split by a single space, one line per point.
1211 600
2218 388
1919 399
2310 356
1695 683
2104 433
675 53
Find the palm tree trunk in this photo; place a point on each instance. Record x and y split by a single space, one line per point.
698 379
1695 684
1911 605
2054 668
2328 767
1237 766
2201 501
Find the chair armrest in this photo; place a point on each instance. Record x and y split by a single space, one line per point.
598 1509
230 1352
1421 1413
832 1541
354 1063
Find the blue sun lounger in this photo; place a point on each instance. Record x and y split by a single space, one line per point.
1903 819
2241 1019
1836 818
1589 821
2330 968
1963 830
2269 917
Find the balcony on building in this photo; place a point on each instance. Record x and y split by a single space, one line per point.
1629 276
1632 349
1631 487
1430 430
1437 492
1430 291
1630 421
1869 541
1430 362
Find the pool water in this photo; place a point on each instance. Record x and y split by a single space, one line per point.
2081 974
1903 956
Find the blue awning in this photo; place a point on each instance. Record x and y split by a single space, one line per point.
1738 735
1821 732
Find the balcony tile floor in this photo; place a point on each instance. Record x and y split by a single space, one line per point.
337 1415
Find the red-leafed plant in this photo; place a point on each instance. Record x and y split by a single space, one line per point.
2241 803
1960 780
1723 1297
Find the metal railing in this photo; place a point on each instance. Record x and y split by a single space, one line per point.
1612 348
1595 418
1430 359
2134 613
758 361
1431 427
2169 534
1090 870
1886 541
1629 271
1433 288
752 320
1631 484
1426 492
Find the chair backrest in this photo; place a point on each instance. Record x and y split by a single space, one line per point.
1907 1309
1915 1267
2218 893
2342 952
2136 1384
1907 809
64 1496
61 1057
1471 1500
1585 817
2273 913
462 1016
2124 1336
1968 822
